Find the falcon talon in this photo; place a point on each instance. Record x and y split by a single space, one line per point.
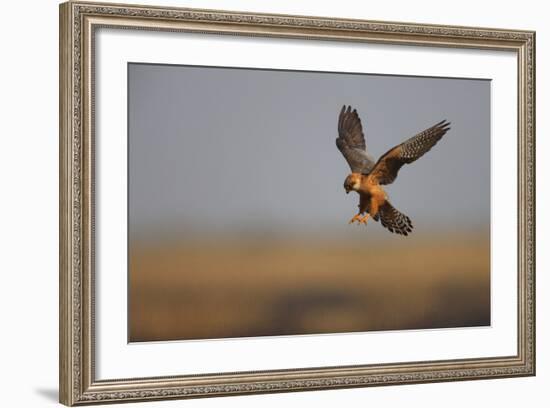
364 219
367 176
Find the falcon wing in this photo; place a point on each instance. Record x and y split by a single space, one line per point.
386 168
351 141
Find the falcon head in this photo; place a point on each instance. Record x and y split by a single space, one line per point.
352 182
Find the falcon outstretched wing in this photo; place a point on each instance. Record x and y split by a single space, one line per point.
351 141
386 168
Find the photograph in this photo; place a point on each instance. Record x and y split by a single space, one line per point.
266 202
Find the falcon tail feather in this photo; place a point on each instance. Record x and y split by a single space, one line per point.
394 220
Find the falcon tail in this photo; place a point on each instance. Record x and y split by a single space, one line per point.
394 220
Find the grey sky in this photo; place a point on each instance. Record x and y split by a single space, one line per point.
219 148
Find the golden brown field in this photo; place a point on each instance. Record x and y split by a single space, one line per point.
229 288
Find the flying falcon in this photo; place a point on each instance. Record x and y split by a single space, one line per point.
367 176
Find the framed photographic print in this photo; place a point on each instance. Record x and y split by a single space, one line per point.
256 203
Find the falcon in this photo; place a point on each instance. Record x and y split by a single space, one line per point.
367 176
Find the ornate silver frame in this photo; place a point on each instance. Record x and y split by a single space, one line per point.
78 22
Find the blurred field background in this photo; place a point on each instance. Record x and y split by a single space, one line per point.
225 287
